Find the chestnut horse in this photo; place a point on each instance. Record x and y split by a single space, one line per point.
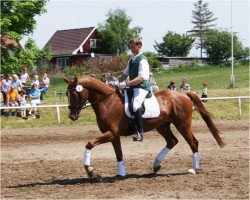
108 105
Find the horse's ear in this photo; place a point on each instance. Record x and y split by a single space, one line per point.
75 80
66 80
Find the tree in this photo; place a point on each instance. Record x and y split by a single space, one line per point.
174 44
115 32
17 20
202 20
217 45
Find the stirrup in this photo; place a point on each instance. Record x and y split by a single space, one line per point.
138 137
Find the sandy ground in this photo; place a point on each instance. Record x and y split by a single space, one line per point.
46 163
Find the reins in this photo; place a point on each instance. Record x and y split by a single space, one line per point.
87 103
97 101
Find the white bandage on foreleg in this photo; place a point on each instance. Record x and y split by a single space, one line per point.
162 153
121 168
86 157
196 161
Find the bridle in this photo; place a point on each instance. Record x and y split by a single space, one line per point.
82 104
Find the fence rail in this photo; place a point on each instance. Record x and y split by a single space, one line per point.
57 106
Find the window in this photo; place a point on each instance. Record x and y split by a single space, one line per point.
62 62
94 43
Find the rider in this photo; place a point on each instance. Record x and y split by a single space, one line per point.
138 71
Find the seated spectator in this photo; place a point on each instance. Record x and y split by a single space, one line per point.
113 81
152 82
17 84
24 77
171 86
44 85
104 79
22 102
34 97
36 77
185 87
204 91
12 99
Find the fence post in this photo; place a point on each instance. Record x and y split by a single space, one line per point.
239 106
58 114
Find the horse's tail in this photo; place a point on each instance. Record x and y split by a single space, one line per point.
207 117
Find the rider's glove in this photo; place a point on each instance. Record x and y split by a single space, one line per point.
122 85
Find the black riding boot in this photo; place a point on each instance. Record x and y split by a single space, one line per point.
139 125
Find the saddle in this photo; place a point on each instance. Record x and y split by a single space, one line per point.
150 106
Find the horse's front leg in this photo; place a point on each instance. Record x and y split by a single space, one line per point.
106 137
119 156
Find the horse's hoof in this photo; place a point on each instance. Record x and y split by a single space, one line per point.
191 171
156 168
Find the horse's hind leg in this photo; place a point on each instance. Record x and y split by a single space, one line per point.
171 140
193 143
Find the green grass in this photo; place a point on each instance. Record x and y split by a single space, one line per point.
218 79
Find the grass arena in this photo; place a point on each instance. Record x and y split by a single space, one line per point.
46 163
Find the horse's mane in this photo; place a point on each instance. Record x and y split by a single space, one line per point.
94 83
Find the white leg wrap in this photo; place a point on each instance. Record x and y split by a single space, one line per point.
196 161
121 168
86 157
162 153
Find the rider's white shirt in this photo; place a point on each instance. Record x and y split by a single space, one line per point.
143 70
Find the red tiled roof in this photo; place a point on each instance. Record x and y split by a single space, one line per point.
64 42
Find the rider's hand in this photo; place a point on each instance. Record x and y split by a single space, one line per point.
122 85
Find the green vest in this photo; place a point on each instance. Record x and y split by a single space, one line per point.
133 73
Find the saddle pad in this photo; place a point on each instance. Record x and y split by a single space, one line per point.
152 109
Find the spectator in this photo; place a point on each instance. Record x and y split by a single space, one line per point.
12 99
17 84
185 87
34 96
24 77
104 79
22 102
171 86
152 82
204 91
36 77
6 82
113 81
44 85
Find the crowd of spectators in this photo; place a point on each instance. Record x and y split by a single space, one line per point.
22 91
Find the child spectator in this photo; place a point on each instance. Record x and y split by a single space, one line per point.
204 91
171 86
6 82
22 102
185 87
34 96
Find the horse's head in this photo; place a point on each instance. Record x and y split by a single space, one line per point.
77 97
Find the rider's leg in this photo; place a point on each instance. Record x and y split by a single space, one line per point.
139 96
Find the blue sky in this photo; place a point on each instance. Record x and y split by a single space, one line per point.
155 17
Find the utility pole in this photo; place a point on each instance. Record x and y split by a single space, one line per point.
232 46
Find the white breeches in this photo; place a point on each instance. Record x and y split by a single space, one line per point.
139 96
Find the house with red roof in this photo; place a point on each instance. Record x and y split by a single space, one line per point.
73 46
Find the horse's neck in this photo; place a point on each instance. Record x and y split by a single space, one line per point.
97 89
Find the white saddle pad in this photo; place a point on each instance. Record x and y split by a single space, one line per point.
152 109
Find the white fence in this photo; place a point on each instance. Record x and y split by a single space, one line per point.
57 107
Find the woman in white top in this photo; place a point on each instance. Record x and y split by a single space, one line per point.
24 77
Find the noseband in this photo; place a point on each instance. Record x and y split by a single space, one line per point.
81 101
